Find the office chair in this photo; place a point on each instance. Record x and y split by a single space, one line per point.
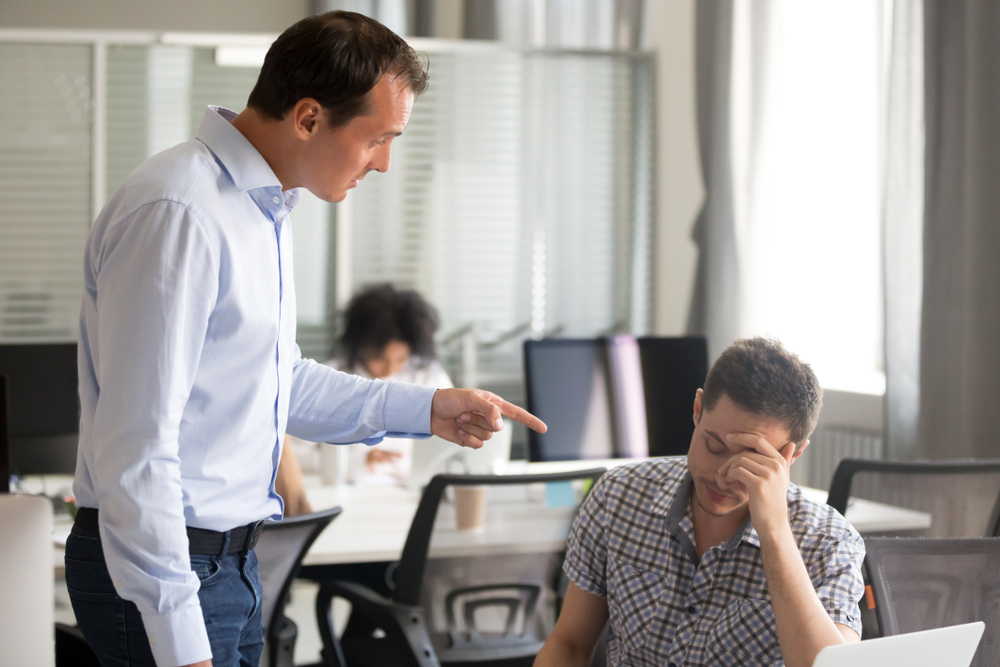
487 597
280 549
962 497
922 584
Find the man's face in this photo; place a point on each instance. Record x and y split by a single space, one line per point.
709 450
335 160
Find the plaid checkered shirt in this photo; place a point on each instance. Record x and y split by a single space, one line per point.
633 544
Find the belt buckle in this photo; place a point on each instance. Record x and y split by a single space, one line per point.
253 532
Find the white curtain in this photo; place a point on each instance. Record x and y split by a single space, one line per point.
904 210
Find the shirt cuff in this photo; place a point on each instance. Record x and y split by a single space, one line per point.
583 580
408 409
178 637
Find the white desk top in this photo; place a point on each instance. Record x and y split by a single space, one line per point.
376 520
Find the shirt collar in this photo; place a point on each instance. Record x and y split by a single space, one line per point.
245 165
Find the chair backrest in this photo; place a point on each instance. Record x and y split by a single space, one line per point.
490 592
26 614
280 549
922 584
962 497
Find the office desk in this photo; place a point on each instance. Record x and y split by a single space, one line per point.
376 519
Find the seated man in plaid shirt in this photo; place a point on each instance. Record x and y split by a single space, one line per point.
716 559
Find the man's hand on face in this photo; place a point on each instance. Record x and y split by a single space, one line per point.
469 417
763 471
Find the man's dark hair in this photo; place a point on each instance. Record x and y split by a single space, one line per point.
335 58
379 314
762 377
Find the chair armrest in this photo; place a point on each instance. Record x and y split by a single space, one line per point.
401 623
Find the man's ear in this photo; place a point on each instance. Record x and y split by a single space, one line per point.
307 117
798 453
697 406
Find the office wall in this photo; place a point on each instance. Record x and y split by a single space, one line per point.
671 33
181 15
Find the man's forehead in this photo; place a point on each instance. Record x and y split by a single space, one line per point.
728 417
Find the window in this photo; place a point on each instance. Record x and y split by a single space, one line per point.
519 201
807 111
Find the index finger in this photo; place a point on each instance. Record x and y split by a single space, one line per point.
755 442
523 416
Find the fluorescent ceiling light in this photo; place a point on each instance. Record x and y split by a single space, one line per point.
240 56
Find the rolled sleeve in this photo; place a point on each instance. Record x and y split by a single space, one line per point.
586 548
177 637
842 587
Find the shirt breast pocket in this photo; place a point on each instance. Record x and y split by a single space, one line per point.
634 598
745 635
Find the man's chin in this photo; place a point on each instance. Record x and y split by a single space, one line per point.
723 508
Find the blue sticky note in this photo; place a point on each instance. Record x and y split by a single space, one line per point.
559 494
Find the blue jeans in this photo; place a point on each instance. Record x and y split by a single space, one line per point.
230 598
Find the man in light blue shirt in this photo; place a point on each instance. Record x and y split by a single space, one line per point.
189 371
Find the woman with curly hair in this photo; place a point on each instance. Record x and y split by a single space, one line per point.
386 334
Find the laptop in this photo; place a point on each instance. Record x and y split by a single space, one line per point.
954 646
435 456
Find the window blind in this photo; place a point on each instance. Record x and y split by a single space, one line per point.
45 165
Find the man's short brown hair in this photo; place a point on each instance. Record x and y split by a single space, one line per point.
762 377
335 58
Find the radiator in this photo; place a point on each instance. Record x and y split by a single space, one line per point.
829 445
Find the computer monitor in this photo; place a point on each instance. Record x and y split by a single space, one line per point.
4 461
569 388
43 407
673 370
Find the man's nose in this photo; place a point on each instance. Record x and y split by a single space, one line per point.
380 159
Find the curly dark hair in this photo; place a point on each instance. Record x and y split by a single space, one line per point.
335 58
379 314
762 377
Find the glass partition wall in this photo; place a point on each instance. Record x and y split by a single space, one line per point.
519 200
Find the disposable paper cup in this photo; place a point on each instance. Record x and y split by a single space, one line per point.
470 507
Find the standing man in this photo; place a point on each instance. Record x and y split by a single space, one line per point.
189 371
716 559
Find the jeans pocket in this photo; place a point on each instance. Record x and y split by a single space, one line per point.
207 569
89 581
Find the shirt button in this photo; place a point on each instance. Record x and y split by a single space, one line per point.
276 199
692 609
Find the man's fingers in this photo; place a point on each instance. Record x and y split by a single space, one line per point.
754 442
475 419
480 432
523 416
755 468
466 439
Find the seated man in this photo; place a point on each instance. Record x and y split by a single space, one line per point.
716 559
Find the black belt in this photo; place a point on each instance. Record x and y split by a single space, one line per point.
201 542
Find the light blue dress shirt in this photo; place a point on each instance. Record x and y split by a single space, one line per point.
190 375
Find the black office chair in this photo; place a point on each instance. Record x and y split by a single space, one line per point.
962 497
922 584
280 549
465 597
